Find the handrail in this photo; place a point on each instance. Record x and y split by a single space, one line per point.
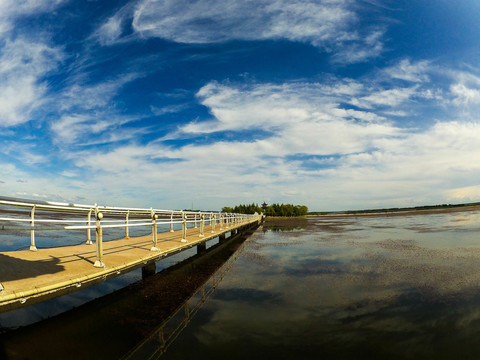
142 217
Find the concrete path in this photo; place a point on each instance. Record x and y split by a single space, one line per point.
33 276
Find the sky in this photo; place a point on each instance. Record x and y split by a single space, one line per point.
176 104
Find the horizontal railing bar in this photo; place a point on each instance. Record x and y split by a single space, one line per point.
74 227
13 219
85 208
41 206
63 221
109 226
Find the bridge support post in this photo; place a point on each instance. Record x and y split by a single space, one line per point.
201 248
154 232
184 227
221 237
32 231
171 222
99 263
148 270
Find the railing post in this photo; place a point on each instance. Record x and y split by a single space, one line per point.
213 221
96 215
202 224
32 231
171 222
195 221
184 227
99 263
154 232
89 236
221 221
127 236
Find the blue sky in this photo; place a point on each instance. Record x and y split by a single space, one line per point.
335 104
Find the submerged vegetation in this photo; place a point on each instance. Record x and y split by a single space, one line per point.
285 210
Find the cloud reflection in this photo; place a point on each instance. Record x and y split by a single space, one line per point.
356 296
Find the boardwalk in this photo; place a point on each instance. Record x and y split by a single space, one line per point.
33 276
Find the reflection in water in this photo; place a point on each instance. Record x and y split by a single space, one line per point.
111 326
162 337
347 288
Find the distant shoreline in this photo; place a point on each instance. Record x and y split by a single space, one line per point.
399 212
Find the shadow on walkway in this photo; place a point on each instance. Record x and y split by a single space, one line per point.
12 268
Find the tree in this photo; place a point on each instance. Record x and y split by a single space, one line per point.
286 210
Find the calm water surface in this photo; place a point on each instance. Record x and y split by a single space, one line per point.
405 287
386 287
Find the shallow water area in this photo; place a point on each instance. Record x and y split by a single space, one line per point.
353 287
365 287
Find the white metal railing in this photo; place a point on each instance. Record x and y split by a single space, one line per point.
119 217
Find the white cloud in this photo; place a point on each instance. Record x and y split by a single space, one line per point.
213 21
408 71
93 96
168 109
403 166
330 24
23 63
360 48
90 129
268 106
88 113
394 173
312 144
465 95
465 89
25 58
10 10
111 30
390 97
302 120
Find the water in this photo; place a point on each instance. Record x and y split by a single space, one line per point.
386 287
398 287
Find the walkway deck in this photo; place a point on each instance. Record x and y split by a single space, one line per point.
33 276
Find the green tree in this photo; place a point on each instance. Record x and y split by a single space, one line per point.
286 210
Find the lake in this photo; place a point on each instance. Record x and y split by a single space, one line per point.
357 287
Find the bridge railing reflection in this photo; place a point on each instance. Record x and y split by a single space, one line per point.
160 339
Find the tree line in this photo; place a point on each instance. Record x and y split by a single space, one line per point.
287 210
